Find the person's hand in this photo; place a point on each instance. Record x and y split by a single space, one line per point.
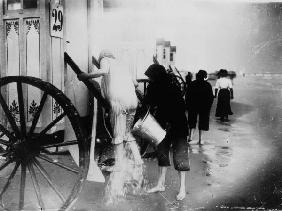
232 97
82 76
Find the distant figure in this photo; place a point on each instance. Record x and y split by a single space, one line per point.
188 79
224 91
199 99
118 88
168 106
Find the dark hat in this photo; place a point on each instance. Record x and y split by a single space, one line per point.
222 73
156 72
201 75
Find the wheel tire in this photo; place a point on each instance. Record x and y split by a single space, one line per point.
27 149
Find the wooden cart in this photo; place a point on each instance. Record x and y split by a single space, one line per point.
36 170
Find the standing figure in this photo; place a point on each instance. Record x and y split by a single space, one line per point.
168 106
188 79
118 88
199 99
224 90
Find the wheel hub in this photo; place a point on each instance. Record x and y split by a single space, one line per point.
23 151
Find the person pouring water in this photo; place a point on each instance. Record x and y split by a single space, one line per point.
165 101
118 88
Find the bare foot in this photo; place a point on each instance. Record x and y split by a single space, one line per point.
181 195
158 188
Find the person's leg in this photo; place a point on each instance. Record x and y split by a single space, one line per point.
181 163
182 189
204 119
192 121
163 162
161 181
191 133
200 137
221 105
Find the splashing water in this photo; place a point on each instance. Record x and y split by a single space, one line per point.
128 179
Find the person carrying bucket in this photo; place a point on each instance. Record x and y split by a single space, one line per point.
168 106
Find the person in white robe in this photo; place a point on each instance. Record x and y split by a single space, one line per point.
118 88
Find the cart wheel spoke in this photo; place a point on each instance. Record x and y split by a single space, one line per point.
48 127
66 143
57 163
4 165
26 145
4 142
36 186
37 114
9 179
48 178
7 133
9 116
22 187
21 108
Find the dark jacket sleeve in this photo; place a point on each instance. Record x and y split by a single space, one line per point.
150 99
188 98
210 95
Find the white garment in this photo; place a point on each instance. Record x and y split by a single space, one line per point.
117 87
223 83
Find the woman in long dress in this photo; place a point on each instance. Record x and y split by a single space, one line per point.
224 92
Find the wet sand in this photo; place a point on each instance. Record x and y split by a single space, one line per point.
238 167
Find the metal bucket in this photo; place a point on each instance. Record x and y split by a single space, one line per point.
149 129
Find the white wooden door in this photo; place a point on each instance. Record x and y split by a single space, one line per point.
26 48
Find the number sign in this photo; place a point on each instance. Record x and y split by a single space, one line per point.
56 19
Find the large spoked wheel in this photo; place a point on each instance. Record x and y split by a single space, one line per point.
31 177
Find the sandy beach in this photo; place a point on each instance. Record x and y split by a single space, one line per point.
238 167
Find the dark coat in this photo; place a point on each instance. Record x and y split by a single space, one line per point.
199 96
167 104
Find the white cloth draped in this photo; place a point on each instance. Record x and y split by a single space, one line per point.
118 87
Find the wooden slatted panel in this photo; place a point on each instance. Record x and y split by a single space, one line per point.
13 63
32 32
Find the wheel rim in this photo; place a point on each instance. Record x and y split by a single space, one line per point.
38 178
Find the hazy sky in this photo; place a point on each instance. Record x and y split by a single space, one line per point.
208 34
